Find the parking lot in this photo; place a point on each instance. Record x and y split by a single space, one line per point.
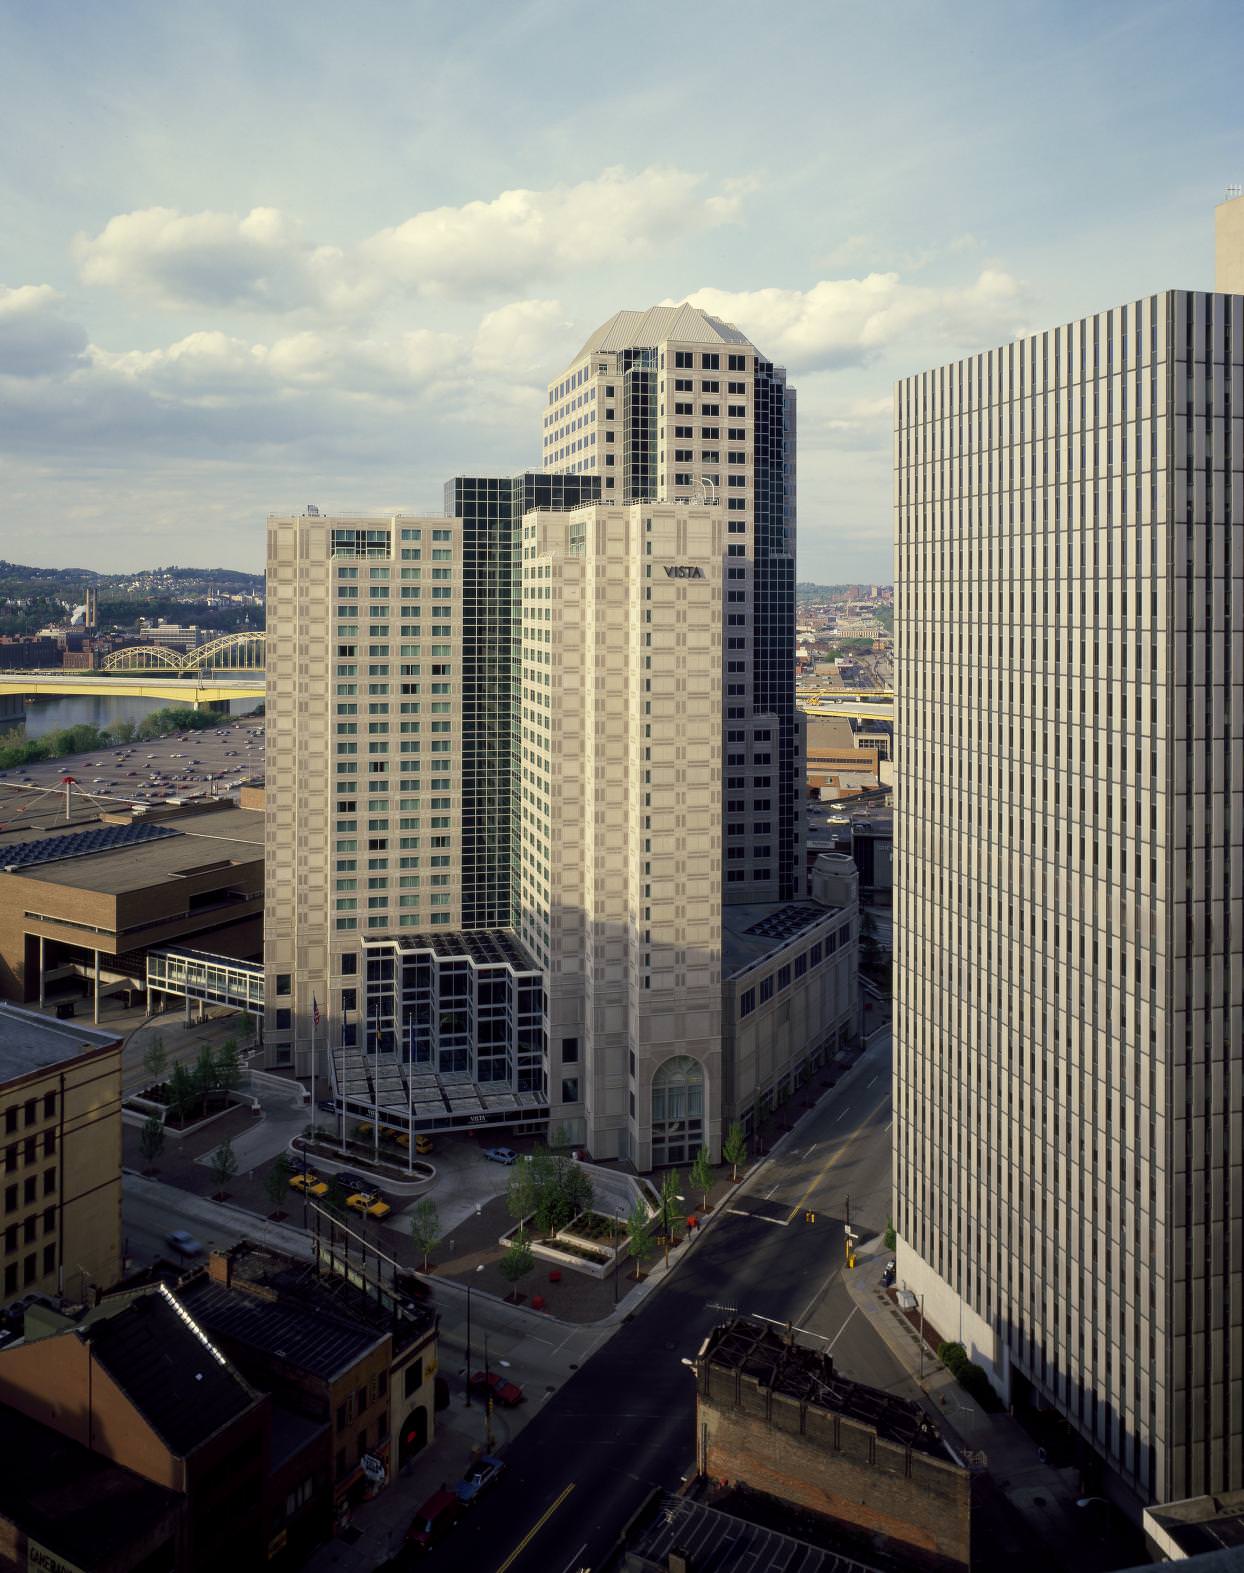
186 766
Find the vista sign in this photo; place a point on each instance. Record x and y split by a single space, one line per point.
683 571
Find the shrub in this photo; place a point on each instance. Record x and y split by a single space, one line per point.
953 1356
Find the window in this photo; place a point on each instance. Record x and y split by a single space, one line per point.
413 1380
747 1002
570 1089
284 1019
710 362
736 362
684 358
677 1110
766 988
570 1051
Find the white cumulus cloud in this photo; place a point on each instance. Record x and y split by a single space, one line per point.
522 235
258 261
846 322
36 340
514 339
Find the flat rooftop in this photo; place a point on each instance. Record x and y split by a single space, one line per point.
31 1041
1201 1524
755 930
180 844
809 1376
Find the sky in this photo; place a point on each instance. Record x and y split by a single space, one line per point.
260 255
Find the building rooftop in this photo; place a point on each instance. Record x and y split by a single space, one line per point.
483 946
1201 1524
764 1353
628 330
76 1504
284 1308
754 930
31 1041
165 1364
712 1539
178 846
297 1335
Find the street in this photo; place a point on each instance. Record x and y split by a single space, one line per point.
625 1423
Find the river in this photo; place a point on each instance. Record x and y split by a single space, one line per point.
50 715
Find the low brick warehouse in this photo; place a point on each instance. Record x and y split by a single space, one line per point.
776 1417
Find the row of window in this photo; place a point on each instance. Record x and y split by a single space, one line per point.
29 1112
791 971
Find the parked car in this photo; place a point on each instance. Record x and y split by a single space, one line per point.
500 1154
506 1393
351 1181
478 1478
184 1244
423 1145
887 1275
308 1183
369 1203
327 1105
434 1520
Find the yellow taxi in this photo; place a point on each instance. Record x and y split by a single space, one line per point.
308 1183
368 1203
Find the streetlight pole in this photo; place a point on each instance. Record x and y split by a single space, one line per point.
468 1347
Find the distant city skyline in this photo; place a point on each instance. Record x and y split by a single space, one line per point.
241 274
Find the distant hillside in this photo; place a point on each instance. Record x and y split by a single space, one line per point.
31 597
816 591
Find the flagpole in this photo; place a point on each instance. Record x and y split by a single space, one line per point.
314 1106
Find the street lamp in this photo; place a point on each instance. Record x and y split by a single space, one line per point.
479 1269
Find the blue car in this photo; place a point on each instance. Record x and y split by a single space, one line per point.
478 1479
500 1154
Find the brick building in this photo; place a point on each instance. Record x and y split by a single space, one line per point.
777 1417
60 1135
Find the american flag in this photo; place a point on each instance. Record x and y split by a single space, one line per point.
315 1012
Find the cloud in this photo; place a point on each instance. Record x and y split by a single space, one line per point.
35 339
172 259
261 261
515 339
848 322
522 235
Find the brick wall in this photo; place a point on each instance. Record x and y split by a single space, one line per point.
832 1465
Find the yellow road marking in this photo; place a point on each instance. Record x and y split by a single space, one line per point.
825 1168
535 1530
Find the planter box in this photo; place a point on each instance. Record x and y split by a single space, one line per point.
137 1111
547 1250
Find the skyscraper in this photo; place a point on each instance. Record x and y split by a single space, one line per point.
1069 875
535 842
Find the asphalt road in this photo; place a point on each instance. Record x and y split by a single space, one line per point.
625 1422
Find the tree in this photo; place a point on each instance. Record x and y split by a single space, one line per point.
517 1261
224 1164
182 1093
151 1140
559 1135
638 1234
669 1207
702 1175
228 1066
889 1239
734 1149
155 1059
425 1228
205 1074
276 1182
247 1024
575 1191
522 1191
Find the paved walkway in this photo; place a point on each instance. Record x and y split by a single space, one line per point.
1044 1497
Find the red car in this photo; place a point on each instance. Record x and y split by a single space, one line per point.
508 1394
434 1520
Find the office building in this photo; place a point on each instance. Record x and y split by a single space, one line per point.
60 1114
537 748
1068 876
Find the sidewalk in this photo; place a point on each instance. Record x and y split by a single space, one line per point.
1044 1497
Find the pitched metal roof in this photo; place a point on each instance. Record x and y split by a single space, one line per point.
628 330
166 1366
